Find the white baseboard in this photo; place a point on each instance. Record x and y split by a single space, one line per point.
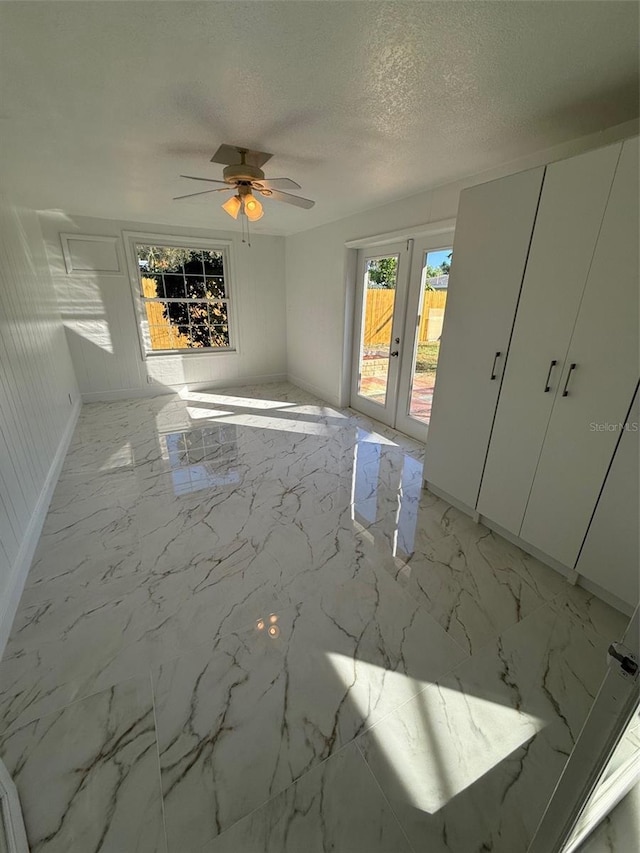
571 575
312 389
157 389
22 564
439 493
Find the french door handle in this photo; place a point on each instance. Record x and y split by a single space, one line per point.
547 387
565 391
493 368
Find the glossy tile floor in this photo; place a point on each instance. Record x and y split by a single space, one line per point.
248 628
619 831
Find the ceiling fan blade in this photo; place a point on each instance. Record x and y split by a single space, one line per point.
204 192
277 184
209 180
288 198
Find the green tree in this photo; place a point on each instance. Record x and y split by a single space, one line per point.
383 273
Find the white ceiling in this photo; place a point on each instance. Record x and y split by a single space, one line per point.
104 104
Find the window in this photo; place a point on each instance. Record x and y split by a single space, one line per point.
185 297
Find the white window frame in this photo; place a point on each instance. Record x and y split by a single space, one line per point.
131 240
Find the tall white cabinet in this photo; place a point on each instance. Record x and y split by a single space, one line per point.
571 365
567 226
615 519
493 233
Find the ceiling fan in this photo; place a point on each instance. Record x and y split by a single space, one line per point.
243 173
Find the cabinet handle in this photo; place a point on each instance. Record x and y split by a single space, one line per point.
493 368
547 387
565 392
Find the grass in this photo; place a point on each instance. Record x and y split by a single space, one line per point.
427 357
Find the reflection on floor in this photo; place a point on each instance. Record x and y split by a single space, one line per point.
247 628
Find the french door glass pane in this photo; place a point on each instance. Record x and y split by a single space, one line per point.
378 304
433 299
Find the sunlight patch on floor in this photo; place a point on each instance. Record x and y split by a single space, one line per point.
442 741
227 400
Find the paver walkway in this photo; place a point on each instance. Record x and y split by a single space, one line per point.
373 387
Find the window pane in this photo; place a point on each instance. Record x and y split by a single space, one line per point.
176 312
220 336
377 320
215 288
162 337
198 315
162 258
193 262
218 313
148 260
155 313
151 285
213 263
199 336
433 300
195 287
174 286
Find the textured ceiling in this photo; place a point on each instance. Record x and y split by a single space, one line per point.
104 104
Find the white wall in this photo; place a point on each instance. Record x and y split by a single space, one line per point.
100 320
319 269
39 399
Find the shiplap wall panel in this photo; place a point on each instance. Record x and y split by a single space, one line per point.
36 379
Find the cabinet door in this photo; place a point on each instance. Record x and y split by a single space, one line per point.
598 381
610 555
492 237
572 206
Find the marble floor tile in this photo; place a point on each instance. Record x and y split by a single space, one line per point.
72 573
464 581
87 775
618 832
474 759
337 806
241 719
300 604
105 522
67 650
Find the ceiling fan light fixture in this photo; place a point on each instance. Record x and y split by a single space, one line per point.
232 206
252 208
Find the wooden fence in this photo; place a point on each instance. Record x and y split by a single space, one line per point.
379 310
163 335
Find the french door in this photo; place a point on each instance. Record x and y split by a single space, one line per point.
400 301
